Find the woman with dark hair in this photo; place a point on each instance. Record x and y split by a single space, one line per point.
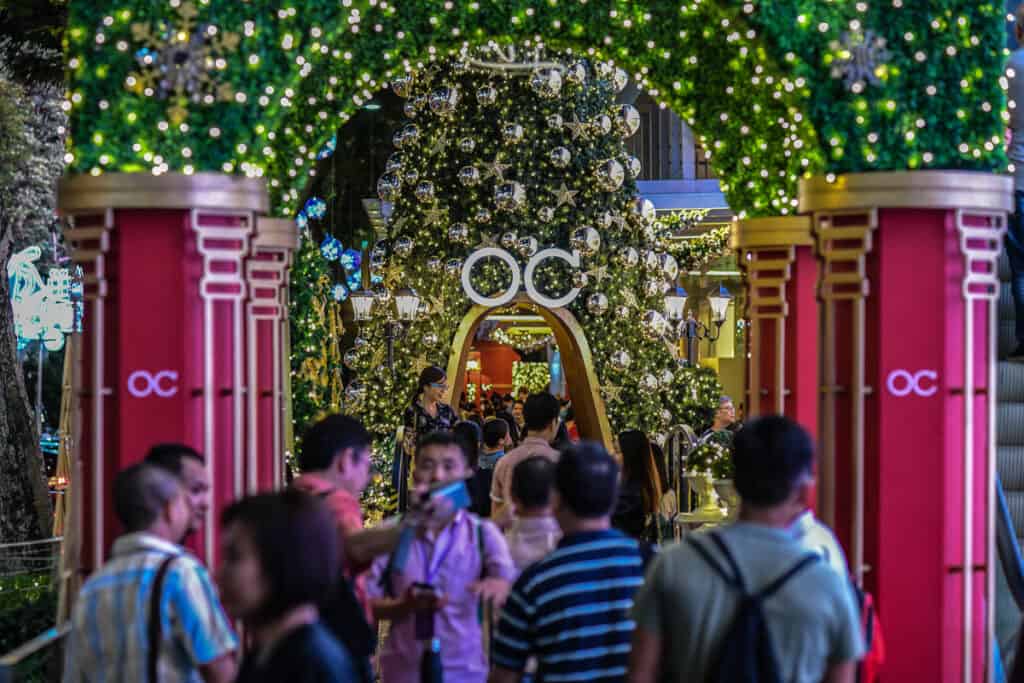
426 413
640 493
280 556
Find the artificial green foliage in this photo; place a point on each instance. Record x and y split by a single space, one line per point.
699 252
533 376
713 454
653 392
753 78
315 320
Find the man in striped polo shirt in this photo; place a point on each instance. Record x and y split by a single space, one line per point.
571 610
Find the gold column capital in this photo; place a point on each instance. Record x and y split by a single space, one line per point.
949 189
772 231
216 191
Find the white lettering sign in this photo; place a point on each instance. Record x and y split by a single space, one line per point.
142 384
921 383
572 258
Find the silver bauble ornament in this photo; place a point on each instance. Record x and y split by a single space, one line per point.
459 233
649 382
433 264
398 139
482 215
410 133
577 73
425 192
527 246
621 360
560 157
486 95
547 83
650 234
508 240
512 133
610 175
651 261
629 120
603 124
620 79
509 196
604 70
586 240
469 175
379 254
401 85
467 145
394 162
666 378
654 287
444 100
580 279
666 416
350 358
545 214
403 246
555 122
633 167
410 110
420 102
669 266
654 325
597 303
411 177
389 186
604 220
359 343
629 256
453 267
644 209
355 392
430 339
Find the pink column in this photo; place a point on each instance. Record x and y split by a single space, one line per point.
777 255
163 351
267 321
908 286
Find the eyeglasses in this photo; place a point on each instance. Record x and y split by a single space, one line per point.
439 385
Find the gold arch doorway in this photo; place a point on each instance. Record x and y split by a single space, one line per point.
577 363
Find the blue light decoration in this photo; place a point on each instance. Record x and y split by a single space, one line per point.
339 292
351 259
331 248
315 208
328 148
302 221
43 311
354 280
376 278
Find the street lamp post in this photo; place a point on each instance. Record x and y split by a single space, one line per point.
688 327
407 304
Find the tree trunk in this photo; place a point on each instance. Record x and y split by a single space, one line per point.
25 512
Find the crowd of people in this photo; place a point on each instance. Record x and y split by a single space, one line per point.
517 558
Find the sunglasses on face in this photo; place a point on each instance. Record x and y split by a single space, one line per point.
439 385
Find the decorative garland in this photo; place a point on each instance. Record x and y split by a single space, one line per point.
534 376
786 89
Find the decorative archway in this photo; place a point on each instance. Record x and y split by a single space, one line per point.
576 359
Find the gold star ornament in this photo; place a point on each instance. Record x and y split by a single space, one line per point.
564 195
612 392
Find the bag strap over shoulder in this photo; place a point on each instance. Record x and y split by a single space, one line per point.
778 583
154 625
736 579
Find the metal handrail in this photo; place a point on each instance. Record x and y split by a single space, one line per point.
49 637
1008 548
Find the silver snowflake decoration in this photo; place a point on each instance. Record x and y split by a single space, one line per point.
858 57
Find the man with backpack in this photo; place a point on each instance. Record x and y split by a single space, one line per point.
747 602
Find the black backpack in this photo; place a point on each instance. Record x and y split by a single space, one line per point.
746 654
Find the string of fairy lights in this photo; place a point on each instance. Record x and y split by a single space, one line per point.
806 88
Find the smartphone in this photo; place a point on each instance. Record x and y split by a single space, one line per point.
455 492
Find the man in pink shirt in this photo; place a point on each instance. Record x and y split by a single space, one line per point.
541 416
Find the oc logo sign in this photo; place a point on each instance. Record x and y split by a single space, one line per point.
573 259
904 383
142 384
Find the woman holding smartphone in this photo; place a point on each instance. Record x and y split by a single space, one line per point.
426 413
